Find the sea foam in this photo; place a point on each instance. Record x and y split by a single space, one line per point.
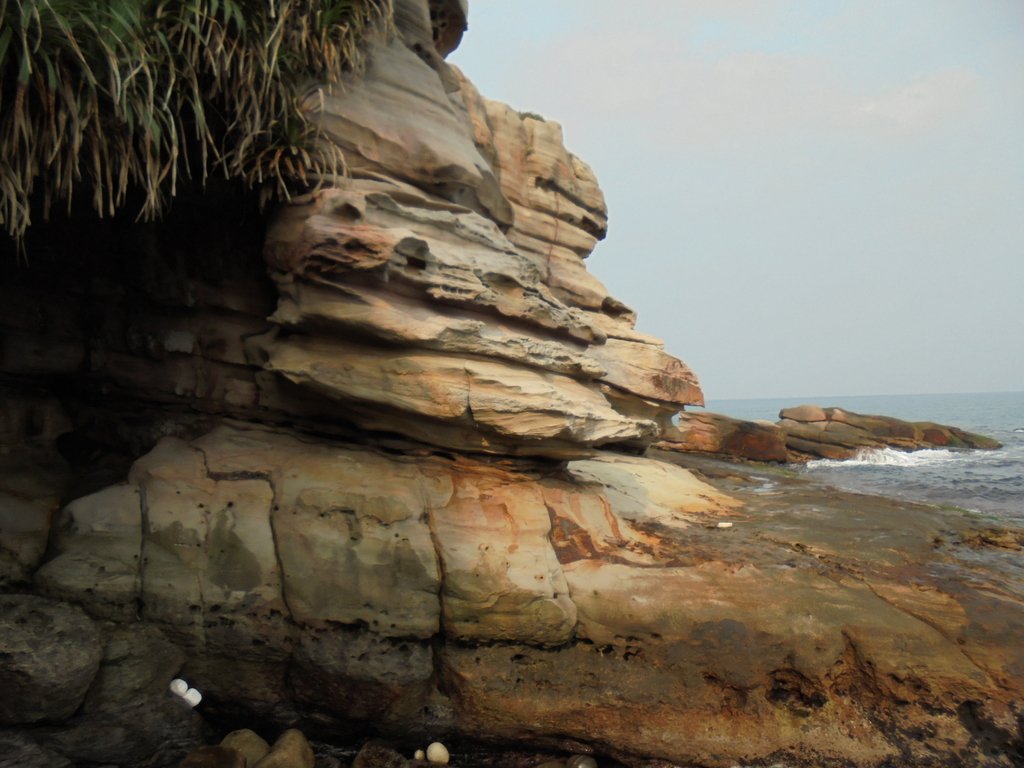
888 457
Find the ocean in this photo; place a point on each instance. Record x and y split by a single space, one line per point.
990 483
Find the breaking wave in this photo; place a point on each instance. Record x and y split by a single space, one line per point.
989 482
888 457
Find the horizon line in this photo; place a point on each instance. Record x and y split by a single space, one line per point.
811 398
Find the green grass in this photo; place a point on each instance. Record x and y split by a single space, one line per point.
107 97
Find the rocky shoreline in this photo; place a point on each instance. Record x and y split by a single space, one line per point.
807 432
891 578
380 464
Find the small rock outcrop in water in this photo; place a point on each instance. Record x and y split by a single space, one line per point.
706 432
380 470
808 432
834 433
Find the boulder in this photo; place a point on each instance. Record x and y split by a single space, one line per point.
642 491
138 663
808 432
248 743
399 320
457 252
351 544
128 714
448 22
208 542
707 432
49 654
214 757
291 750
20 751
99 541
804 413
645 369
560 215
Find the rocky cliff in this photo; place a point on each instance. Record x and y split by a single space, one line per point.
381 468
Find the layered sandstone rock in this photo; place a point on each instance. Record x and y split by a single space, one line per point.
456 259
498 363
438 293
708 432
807 432
834 433
600 602
382 469
253 524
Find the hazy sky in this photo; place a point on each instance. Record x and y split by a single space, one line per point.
806 197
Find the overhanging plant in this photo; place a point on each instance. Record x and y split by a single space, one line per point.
109 96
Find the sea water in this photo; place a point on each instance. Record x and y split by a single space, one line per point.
986 482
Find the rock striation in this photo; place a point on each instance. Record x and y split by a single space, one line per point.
808 432
834 433
383 467
706 432
257 525
456 270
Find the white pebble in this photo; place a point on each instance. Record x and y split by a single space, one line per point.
178 686
725 525
437 754
192 697
419 754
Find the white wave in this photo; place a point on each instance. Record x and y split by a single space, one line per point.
889 457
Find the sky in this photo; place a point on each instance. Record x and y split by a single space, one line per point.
806 197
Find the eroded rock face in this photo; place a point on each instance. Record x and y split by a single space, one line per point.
32 477
807 432
128 716
598 602
389 476
833 433
476 336
255 524
716 433
437 293
441 292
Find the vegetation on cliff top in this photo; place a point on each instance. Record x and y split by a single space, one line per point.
114 96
